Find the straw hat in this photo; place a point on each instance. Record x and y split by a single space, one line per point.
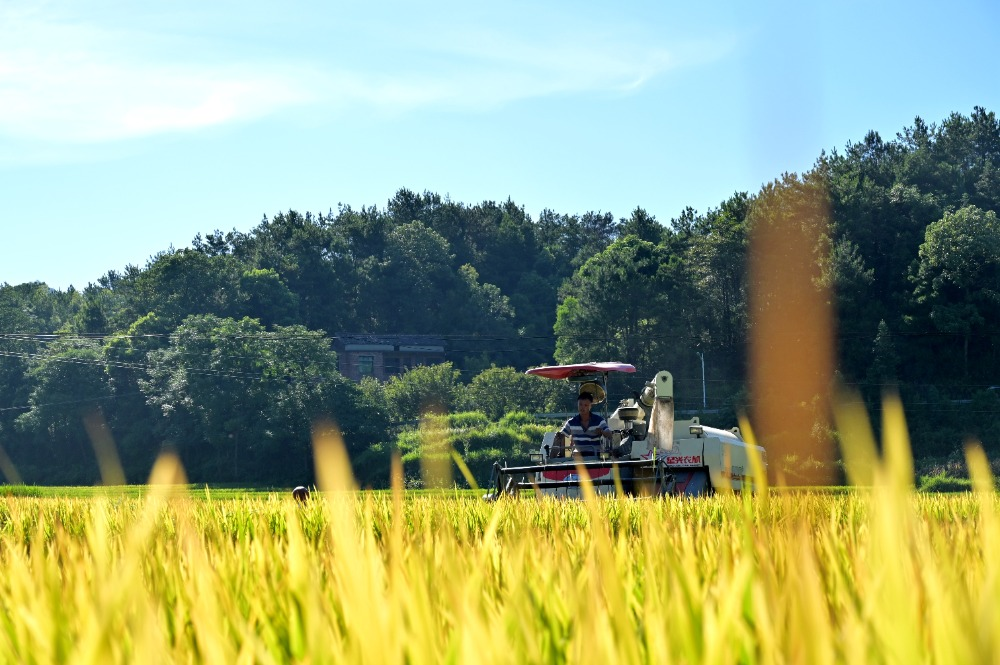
594 389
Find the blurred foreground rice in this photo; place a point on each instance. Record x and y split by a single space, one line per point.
879 575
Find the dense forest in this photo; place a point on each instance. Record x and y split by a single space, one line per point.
223 351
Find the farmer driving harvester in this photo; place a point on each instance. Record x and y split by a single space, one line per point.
586 428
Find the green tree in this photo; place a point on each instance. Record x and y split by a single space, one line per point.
570 240
414 272
884 368
29 315
498 391
873 210
504 243
957 278
422 390
69 383
265 296
642 225
175 285
362 232
851 281
239 402
312 259
131 418
479 315
715 260
18 343
534 302
624 304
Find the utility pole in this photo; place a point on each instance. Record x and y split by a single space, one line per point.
704 394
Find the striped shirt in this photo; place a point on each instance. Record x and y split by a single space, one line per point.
586 440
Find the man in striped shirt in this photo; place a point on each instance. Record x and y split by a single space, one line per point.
586 428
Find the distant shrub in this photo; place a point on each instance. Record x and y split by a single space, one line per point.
517 419
943 483
467 419
409 441
371 466
20 490
474 437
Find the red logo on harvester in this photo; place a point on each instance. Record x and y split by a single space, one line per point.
684 460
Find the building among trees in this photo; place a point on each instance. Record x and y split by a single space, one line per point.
384 356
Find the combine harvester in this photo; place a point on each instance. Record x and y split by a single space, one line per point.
649 453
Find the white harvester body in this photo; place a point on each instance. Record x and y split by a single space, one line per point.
650 453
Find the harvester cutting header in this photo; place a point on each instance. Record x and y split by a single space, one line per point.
638 449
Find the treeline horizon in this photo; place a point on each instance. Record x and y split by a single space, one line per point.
222 351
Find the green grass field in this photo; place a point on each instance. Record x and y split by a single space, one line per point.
134 491
192 491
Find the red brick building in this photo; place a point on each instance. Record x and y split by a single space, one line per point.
383 356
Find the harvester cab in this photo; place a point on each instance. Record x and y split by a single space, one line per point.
649 453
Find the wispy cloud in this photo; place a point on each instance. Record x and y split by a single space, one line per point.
81 82
77 83
457 65
492 71
584 60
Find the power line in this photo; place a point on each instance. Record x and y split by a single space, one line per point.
128 365
69 401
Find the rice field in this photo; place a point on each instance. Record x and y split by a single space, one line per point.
881 575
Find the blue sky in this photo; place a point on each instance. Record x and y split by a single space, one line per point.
128 127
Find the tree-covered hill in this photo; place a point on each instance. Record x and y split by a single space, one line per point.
223 350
